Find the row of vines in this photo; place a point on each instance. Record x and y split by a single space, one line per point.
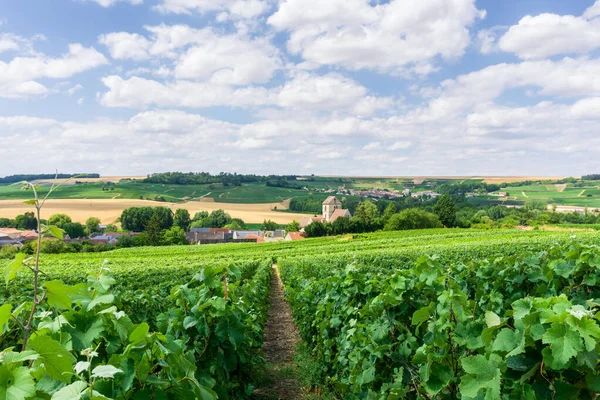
523 324
183 336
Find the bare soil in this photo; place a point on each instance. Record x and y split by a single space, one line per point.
280 341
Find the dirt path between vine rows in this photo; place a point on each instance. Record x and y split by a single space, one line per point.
280 340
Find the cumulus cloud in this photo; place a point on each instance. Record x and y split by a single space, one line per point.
331 92
389 37
234 9
200 54
546 35
173 139
564 78
17 77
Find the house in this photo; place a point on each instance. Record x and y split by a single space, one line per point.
6 240
28 235
11 232
205 237
305 221
259 239
239 235
294 236
332 210
339 213
406 192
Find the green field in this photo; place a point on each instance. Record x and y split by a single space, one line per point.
247 193
383 315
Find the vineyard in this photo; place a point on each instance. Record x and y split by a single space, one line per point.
413 314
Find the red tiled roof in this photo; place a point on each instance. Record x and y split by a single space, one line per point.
296 235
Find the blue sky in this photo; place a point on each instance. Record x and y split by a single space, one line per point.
395 87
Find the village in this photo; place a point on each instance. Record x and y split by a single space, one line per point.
332 210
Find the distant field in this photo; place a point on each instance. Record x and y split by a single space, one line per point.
109 210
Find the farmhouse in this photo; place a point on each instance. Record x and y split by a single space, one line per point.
294 236
332 210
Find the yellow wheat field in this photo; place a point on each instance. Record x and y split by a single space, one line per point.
108 210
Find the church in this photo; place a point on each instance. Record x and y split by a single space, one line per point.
332 210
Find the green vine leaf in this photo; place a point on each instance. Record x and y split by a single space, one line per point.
54 358
564 344
5 315
71 392
11 269
59 294
492 319
16 384
481 374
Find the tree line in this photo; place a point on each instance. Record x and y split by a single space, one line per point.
33 177
201 178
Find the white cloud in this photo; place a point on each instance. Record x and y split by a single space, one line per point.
593 11
80 101
545 35
587 108
389 37
400 145
230 60
331 92
8 42
123 45
564 78
110 3
200 54
138 92
235 9
74 89
498 140
17 77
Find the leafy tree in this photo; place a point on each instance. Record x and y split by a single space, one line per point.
366 212
26 221
445 209
341 225
200 215
136 218
316 229
390 210
125 241
237 224
198 224
531 205
111 228
7 223
218 219
74 229
59 220
182 219
413 218
154 230
174 236
293 226
92 225
269 225
165 215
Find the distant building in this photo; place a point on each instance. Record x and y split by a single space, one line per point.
332 210
329 206
305 221
11 232
294 236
